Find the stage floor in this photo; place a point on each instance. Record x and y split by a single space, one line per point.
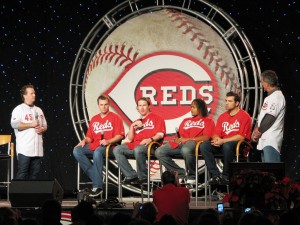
69 203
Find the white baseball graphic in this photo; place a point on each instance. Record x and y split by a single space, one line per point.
164 30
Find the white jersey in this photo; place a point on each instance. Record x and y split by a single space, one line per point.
29 143
274 104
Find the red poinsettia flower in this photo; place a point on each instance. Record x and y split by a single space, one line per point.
249 186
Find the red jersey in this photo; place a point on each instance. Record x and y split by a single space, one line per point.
110 126
173 201
228 126
152 124
194 127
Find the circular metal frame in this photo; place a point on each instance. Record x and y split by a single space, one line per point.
241 49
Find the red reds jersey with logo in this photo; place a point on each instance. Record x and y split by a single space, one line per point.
110 126
152 124
194 127
228 126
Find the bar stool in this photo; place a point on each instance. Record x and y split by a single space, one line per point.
108 157
242 150
9 157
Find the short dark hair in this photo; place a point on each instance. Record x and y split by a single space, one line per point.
237 98
23 90
103 97
270 77
168 177
201 106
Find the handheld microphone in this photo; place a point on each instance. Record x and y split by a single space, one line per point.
102 134
36 116
139 128
177 132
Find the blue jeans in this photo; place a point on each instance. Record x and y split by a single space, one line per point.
228 151
122 152
28 167
165 153
92 169
269 154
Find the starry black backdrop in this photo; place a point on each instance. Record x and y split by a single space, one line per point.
40 39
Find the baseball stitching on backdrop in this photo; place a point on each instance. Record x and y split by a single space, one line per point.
168 56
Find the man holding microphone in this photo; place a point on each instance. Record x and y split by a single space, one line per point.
29 124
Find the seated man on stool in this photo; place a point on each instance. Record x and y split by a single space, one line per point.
232 126
199 127
105 128
150 127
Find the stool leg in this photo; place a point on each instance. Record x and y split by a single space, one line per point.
148 179
106 177
206 183
119 184
196 187
78 176
142 193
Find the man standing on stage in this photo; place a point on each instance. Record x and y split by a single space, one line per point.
269 128
104 128
150 127
232 126
29 124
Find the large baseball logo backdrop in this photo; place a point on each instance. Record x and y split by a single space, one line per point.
168 54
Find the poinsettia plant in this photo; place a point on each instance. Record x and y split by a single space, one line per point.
255 188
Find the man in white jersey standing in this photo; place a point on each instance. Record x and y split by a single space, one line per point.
269 128
29 124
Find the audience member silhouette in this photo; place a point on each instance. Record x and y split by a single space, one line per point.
289 218
167 219
172 199
209 216
81 213
254 218
120 219
51 212
8 216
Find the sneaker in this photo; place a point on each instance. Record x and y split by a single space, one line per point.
191 181
130 181
224 181
143 181
96 192
215 180
218 180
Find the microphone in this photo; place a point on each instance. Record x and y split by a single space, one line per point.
102 134
36 116
177 132
139 128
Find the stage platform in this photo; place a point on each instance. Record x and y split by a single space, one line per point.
127 202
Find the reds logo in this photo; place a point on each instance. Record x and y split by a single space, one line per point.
191 124
171 81
148 125
228 128
102 127
264 106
